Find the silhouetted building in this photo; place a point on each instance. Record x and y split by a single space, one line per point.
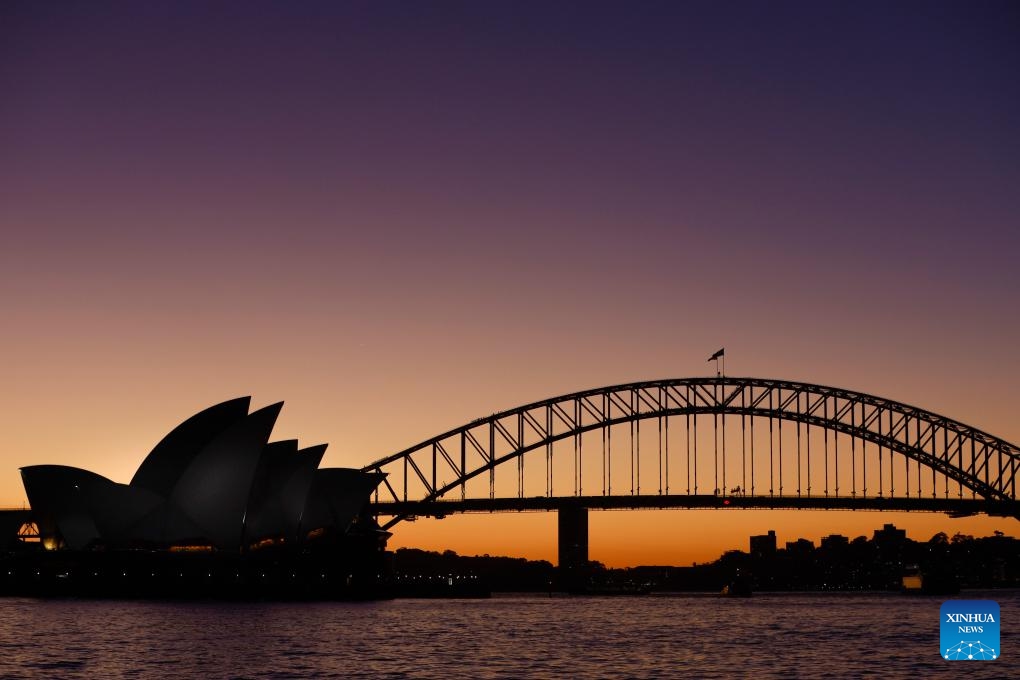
835 541
764 545
889 535
800 546
214 483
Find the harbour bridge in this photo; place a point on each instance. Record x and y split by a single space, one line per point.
708 442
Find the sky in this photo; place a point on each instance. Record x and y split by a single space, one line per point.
398 217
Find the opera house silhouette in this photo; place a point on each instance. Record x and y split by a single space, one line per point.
214 510
215 482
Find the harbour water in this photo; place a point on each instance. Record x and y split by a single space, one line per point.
767 636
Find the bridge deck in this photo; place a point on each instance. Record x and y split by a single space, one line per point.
957 507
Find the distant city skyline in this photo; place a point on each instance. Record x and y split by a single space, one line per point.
400 217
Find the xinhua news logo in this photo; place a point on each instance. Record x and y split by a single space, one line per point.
969 630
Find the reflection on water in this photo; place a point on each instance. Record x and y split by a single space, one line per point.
812 635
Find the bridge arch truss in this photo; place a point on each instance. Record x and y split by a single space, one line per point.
839 446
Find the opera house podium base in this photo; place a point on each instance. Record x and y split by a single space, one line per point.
357 574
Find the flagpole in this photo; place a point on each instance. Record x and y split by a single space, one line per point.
721 354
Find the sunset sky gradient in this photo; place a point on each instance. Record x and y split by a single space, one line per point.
399 217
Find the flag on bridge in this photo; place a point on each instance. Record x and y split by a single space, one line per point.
718 354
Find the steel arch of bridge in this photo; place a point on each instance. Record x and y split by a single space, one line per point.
985 465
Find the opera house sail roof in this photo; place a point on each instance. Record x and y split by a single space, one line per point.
214 481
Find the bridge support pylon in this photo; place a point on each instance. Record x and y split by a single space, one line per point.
573 547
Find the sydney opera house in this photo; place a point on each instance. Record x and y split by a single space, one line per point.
214 488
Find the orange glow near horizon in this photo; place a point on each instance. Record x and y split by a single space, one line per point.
628 538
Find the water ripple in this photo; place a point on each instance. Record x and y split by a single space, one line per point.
768 636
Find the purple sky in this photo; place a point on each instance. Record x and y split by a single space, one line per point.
399 217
